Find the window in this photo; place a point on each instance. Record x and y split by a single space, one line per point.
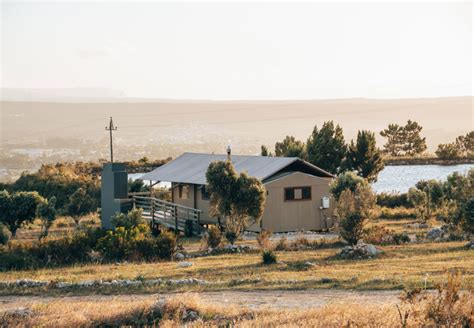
297 193
183 191
205 194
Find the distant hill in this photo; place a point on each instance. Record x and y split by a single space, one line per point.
246 124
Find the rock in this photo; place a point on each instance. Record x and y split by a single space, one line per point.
179 256
185 264
435 234
190 315
470 244
371 250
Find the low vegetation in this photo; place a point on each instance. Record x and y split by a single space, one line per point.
448 307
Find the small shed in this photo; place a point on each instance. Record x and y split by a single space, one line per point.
298 196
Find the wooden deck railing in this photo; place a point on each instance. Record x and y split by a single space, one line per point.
168 214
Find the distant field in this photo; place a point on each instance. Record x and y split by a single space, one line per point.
209 125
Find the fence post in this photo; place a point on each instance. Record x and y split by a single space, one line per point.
198 230
152 203
175 210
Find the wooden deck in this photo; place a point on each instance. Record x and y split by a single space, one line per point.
168 214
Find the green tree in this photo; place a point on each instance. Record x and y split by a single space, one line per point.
46 211
394 136
449 151
326 148
80 203
466 144
18 208
290 147
413 143
137 186
364 157
468 216
236 198
346 180
264 151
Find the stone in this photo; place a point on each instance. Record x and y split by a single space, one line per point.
371 249
179 256
435 234
185 264
190 315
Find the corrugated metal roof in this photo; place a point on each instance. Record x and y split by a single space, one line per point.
192 167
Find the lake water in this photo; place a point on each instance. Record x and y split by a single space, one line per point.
400 178
397 178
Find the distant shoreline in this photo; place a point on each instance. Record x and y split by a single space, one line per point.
427 161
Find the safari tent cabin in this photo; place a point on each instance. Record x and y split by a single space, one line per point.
298 196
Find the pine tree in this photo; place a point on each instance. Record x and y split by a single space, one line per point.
326 148
394 144
413 143
364 157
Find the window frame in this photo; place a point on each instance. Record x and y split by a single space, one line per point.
181 191
205 192
302 193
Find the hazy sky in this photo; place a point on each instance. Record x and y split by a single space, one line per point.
241 51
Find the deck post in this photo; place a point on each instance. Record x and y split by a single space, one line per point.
175 210
152 203
198 222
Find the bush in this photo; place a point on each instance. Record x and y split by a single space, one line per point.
188 228
268 257
378 235
166 243
282 244
132 219
397 213
401 238
352 228
263 239
121 243
392 200
231 237
67 250
214 237
136 244
4 237
347 180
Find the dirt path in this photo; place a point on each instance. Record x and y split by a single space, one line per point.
251 299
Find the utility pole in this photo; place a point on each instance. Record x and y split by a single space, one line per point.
111 128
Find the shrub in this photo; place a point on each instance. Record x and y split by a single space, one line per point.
282 244
214 237
401 238
166 243
378 235
51 252
132 219
4 237
268 257
263 239
188 228
352 228
447 308
397 213
231 237
121 243
347 180
392 200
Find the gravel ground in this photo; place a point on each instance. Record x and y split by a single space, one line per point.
244 299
